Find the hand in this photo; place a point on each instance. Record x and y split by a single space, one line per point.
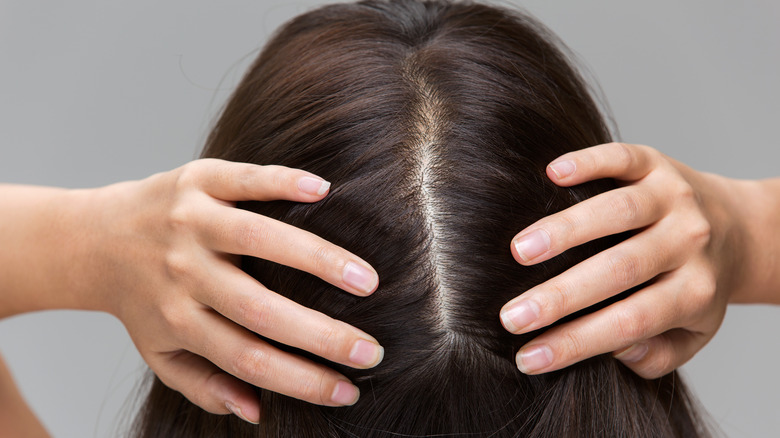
163 249
688 243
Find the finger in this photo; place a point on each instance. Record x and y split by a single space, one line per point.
612 212
602 276
206 385
626 162
231 181
235 231
663 353
240 353
645 314
243 300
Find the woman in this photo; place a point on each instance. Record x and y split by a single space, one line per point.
435 123
599 161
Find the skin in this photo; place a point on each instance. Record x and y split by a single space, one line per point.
16 417
705 241
159 255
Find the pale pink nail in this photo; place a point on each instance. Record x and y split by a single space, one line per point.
359 277
634 353
366 353
533 245
313 186
520 315
237 412
534 358
562 169
345 394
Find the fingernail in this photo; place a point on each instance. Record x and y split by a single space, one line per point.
366 353
313 186
520 315
359 277
562 169
237 412
345 394
533 245
634 353
534 358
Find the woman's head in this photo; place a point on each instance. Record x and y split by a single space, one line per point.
434 121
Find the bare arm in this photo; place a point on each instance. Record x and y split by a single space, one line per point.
160 253
759 282
16 418
704 240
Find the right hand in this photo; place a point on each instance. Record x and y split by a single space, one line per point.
163 251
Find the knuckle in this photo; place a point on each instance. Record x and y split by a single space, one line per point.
243 176
178 265
574 346
684 191
313 389
569 225
658 364
323 257
327 342
256 234
180 217
631 324
280 180
701 293
251 365
700 232
258 313
176 319
191 173
627 205
625 270
622 155
557 299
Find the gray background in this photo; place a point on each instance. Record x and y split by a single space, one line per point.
97 92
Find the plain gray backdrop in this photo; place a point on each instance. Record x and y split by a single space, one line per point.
98 92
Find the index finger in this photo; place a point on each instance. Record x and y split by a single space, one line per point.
622 161
230 181
233 231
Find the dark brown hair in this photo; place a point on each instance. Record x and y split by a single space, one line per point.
434 121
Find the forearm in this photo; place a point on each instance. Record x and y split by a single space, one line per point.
759 266
16 417
42 231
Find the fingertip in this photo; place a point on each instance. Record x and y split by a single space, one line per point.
530 248
632 354
239 397
561 170
362 279
345 394
314 186
250 414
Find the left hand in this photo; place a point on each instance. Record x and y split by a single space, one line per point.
688 243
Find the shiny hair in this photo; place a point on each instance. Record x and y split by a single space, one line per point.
434 121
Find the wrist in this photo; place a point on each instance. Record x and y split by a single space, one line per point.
99 230
757 242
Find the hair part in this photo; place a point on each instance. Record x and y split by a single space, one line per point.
434 122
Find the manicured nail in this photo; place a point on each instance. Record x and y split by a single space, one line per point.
313 186
634 353
533 245
534 358
237 412
366 353
345 394
359 277
562 169
520 315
